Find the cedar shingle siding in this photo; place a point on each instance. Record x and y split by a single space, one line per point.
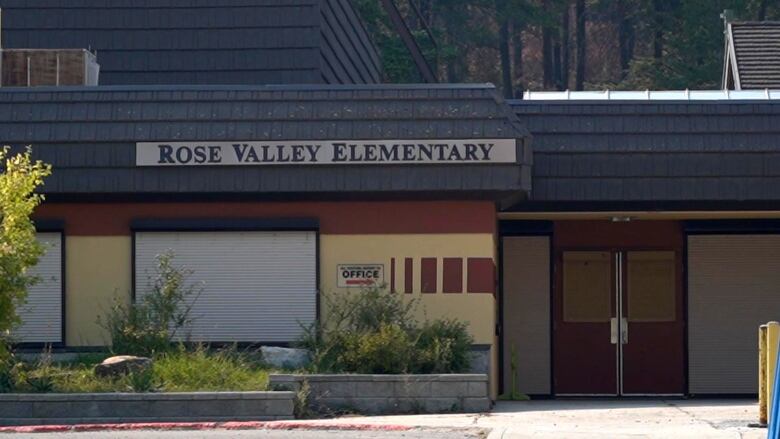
202 41
89 133
653 152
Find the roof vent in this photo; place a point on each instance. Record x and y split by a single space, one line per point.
48 67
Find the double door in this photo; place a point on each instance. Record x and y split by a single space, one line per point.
618 323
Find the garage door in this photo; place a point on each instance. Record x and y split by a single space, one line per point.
42 314
257 286
733 287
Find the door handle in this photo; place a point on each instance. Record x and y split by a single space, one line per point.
613 330
623 330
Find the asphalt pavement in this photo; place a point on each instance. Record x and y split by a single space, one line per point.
260 434
550 419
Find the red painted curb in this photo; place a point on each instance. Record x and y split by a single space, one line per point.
256 425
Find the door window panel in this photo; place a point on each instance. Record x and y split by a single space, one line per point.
587 286
651 286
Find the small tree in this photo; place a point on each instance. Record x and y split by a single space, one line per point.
19 250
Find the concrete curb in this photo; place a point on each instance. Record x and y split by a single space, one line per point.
257 425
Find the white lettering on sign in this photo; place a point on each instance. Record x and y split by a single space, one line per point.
337 152
360 275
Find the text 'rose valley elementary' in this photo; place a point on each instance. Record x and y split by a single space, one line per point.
334 152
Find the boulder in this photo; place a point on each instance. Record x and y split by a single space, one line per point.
122 365
287 358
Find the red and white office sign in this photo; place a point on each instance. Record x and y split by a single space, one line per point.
360 275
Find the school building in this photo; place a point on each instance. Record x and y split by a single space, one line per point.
623 243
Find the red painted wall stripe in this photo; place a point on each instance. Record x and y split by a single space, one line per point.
481 275
408 275
428 273
452 275
97 219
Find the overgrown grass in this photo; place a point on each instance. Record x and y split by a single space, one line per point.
200 370
180 370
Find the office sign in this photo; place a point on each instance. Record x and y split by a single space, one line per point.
336 152
360 275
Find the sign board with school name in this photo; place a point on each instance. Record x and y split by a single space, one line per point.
337 152
360 275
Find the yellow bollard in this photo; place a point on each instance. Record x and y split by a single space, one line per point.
772 338
762 374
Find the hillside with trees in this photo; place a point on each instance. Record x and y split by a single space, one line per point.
564 44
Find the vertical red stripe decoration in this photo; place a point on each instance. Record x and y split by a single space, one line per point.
392 275
481 275
408 276
428 275
452 276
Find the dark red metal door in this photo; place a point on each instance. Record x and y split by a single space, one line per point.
652 349
618 323
585 359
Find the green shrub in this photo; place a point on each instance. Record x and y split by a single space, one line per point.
141 381
352 316
40 380
9 372
372 309
386 350
373 331
150 325
443 346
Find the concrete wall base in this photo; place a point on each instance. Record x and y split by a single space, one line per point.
389 394
90 408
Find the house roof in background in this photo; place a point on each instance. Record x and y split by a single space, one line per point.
752 55
202 41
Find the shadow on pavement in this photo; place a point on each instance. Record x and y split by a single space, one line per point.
613 403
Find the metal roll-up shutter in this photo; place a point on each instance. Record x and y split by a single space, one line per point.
42 313
526 312
733 287
257 286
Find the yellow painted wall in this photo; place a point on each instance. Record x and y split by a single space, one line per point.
478 309
98 268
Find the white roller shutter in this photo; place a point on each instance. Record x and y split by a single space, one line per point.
733 287
526 312
257 286
42 313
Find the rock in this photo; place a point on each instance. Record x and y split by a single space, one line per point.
287 358
122 365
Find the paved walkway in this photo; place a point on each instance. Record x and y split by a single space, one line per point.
581 419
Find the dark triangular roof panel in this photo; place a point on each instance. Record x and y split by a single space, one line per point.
754 51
